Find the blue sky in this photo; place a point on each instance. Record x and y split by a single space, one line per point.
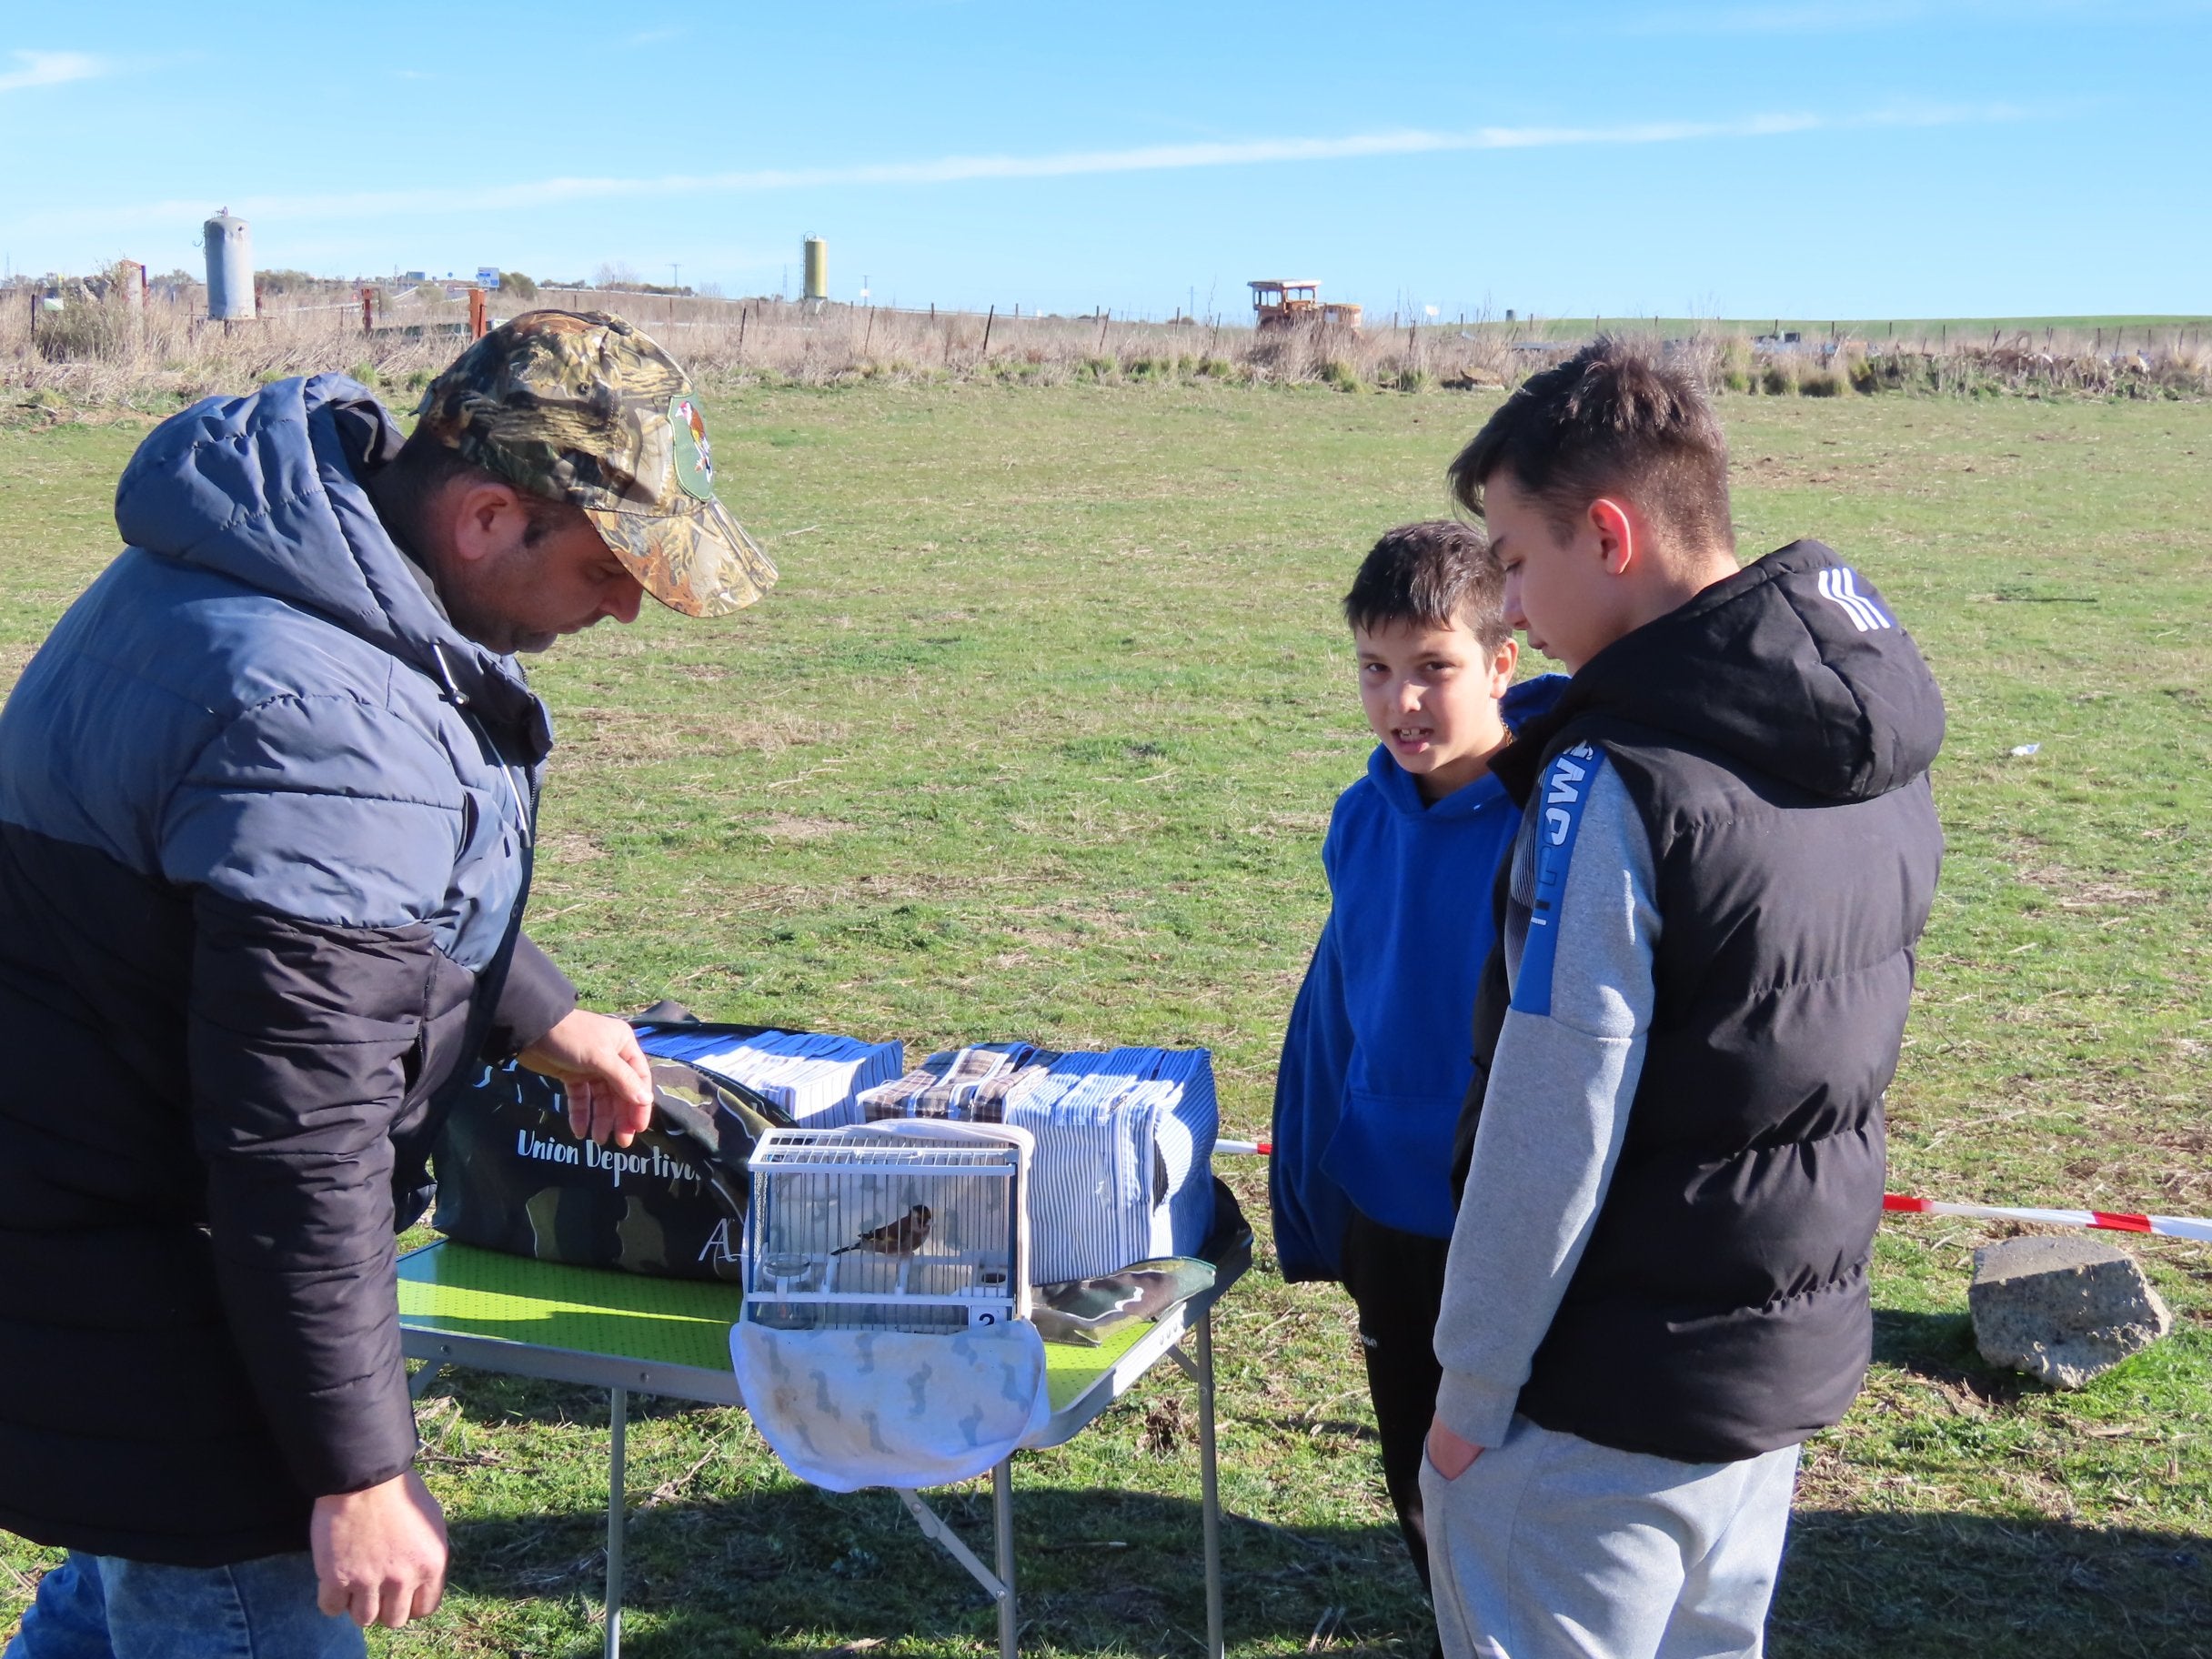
1794 157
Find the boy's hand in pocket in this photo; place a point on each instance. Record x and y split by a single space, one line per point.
1451 1455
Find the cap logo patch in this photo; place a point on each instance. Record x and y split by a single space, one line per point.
693 454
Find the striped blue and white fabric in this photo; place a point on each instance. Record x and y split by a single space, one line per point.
1123 1167
815 1076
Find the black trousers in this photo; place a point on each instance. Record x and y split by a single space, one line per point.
1397 1281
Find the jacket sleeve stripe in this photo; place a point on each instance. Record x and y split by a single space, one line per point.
1558 809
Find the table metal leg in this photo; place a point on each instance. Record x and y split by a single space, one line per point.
1000 1584
1209 1484
1002 1523
617 1514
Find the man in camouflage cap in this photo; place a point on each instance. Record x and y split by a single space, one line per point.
583 408
267 801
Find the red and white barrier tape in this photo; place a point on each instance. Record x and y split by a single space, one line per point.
1897 1204
2163 1226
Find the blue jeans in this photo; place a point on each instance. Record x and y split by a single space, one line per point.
104 1607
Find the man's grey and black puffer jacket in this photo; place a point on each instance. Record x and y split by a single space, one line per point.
265 833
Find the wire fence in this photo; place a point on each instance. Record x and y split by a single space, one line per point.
127 344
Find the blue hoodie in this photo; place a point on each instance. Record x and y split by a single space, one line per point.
1377 1058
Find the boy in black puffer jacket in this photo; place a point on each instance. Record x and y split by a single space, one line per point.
1673 1146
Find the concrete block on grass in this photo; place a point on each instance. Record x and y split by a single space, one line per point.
2062 1310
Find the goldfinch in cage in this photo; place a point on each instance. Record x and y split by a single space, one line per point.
917 1226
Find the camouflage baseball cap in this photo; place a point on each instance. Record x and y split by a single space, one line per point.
580 407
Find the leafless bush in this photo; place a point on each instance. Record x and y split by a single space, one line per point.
2169 362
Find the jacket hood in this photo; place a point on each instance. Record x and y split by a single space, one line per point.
1794 665
261 489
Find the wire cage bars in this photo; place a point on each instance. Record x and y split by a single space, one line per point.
907 1227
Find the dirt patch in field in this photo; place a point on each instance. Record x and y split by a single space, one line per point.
569 848
785 827
2075 890
616 736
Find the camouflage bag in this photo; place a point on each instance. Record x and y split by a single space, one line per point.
511 1176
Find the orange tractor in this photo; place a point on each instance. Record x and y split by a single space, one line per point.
1283 304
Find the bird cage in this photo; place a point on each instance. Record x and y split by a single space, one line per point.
905 1226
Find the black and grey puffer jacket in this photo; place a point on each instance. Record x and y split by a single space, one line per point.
265 827
1774 734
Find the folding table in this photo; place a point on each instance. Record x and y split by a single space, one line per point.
628 1334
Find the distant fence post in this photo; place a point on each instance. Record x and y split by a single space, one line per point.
1105 315
476 321
987 323
369 310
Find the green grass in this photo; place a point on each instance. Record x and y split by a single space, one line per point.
1037 738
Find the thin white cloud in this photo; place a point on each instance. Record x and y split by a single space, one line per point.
965 169
50 69
652 37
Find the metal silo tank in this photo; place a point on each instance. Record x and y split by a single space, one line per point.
230 267
817 269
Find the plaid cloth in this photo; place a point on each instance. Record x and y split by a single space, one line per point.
969 1085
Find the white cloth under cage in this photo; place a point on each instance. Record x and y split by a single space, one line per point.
847 1409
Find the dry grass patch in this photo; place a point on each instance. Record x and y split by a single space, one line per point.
787 827
2073 890
625 737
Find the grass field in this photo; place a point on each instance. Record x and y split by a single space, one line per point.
1037 737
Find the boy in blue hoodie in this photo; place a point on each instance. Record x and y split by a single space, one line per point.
1376 1060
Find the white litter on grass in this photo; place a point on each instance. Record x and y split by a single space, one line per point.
2020 752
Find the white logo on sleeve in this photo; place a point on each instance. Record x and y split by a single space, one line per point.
1564 796
1839 586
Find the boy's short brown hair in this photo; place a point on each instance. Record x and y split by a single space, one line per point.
1615 415
1431 575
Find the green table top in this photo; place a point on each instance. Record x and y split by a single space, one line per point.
599 1311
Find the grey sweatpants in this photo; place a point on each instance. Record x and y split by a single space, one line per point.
1553 1547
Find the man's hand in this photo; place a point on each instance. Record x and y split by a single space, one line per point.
609 1084
380 1554
1451 1455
